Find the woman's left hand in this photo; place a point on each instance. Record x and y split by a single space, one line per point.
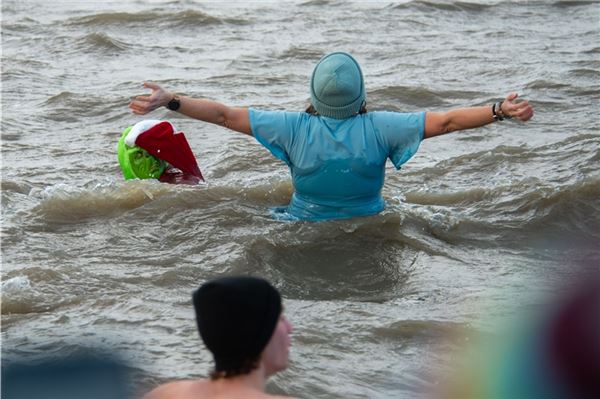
522 110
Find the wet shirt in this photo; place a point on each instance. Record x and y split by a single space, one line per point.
338 165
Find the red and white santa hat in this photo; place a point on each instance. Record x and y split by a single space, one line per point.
162 140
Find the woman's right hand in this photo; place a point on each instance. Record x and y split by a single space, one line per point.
159 97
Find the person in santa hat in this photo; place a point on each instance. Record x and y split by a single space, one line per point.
153 149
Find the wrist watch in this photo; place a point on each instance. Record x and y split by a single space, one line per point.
175 103
497 111
501 112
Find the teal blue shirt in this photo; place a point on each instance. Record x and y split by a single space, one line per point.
338 165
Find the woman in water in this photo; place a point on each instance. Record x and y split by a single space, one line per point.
336 150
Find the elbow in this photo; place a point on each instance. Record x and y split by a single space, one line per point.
447 124
222 117
225 122
448 127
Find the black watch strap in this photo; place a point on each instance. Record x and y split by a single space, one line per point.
174 104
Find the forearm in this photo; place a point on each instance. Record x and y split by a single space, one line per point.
437 123
205 110
214 112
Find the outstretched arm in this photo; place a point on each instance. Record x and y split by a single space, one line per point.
437 123
205 110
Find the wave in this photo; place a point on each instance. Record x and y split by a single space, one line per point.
14 292
300 53
61 98
316 3
69 205
508 192
573 3
595 50
9 186
63 204
477 161
529 195
101 42
453 6
578 151
417 96
523 213
32 291
585 73
573 208
70 106
23 25
182 19
408 330
546 84
484 7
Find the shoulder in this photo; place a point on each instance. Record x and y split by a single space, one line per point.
265 120
400 124
263 113
175 389
395 116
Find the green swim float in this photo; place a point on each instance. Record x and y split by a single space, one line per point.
137 163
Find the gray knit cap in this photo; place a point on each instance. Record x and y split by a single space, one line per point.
337 87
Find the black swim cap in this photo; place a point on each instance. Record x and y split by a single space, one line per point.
236 318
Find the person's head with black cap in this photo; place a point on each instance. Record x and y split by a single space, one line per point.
237 319
241 322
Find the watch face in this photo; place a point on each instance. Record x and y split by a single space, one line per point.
174 104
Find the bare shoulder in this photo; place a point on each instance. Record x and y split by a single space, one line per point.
252 394
176 389
279 397
194 389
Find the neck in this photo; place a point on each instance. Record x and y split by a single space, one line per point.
255 380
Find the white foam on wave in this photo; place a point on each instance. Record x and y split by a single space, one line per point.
15 285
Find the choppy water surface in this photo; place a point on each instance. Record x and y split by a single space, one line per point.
475 221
